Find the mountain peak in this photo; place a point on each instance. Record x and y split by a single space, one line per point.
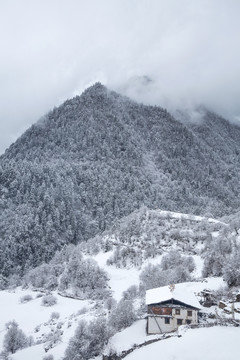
99 95
95 89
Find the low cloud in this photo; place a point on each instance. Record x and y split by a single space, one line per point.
177 54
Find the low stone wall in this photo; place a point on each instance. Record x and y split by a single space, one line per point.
127 352
219 322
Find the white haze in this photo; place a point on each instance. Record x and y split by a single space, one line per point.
52 49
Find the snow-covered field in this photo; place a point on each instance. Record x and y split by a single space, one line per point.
119 279
216 343
35 320
176 215
135 334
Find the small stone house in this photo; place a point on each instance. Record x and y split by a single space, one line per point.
169 307
207 298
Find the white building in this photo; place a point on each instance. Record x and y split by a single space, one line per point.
170 307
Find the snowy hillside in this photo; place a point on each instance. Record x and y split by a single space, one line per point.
97 280
183 240
146 234
44 323
54 333
213 343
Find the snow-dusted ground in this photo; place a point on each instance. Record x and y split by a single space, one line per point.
176 215
136 334
199 266
125 339
122 279
32 314
119 279
35 319
217 343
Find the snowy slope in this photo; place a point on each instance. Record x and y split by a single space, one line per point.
221 343
177 215
32 314
35 319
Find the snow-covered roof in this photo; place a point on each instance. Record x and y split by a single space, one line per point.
182 292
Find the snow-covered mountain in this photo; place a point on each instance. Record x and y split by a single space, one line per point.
97 158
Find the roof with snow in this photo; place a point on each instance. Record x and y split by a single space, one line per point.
181 292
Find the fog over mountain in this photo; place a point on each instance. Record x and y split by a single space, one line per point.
53 50
100 156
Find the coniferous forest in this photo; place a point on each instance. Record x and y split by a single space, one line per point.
97 158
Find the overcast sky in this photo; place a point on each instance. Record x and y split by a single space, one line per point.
51 50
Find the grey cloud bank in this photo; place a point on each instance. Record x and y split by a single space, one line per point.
51 50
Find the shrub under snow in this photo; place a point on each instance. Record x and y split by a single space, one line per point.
123 315
49 300
85 278
88 340
26 298
174 268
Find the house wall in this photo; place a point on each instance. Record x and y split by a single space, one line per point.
154 322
